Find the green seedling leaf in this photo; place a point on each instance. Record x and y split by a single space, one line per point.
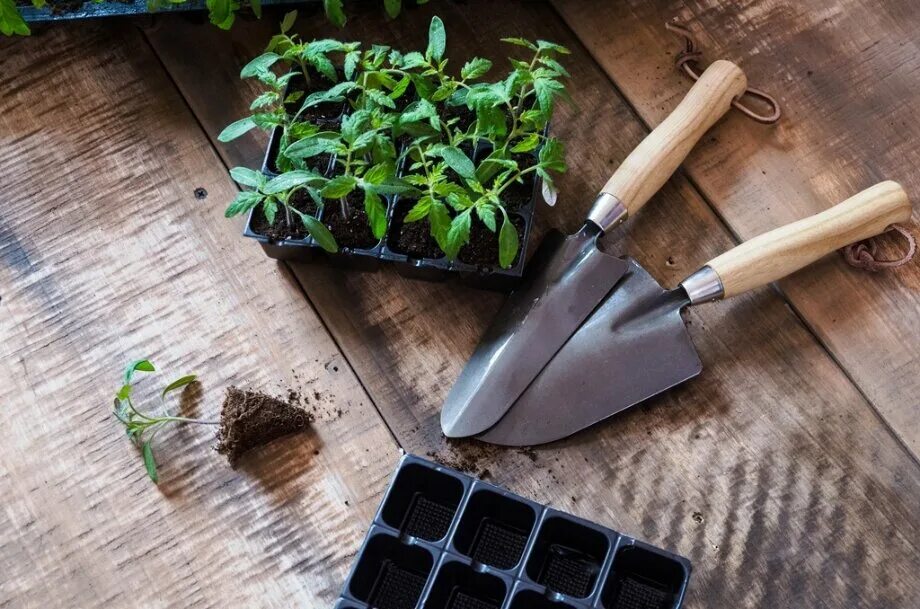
543 45
351 63
439 221
413 60
380 98
150 463
521 43
220 13
247 177
319 232
508 242
527 144
179 383
338 187
475 68
269 209
259 65
392 7
291 179
458 235
457 160
335 12
552 155
235 129
141 365
11 22
546 90
549 192
376 213
288 21
123 394
487 215
437 39
243 202
419 210
319 143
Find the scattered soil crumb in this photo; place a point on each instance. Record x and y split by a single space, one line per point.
473 457
697 517
250 419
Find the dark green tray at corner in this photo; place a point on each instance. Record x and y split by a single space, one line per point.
93 10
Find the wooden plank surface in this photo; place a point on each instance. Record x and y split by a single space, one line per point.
848 77
106 255
771 470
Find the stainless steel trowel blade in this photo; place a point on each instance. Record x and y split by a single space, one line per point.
633 346
567 279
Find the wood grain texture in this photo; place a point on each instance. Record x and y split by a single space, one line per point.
107 255
770 471
847 74
648 167
780 252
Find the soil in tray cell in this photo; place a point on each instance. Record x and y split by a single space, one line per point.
642 579
282 227
465 116
327 113
412 238
482 250
422 503
352 231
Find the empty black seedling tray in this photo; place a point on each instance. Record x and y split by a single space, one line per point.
443 540
436 268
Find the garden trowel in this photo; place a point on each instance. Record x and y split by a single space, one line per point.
635 344
569 276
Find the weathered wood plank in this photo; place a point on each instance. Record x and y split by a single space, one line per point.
106 255
848 77
770 471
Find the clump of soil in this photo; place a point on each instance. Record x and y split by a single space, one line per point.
353 231
412 238
250 419
282 229
482 250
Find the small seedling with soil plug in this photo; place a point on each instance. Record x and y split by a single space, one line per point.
143 427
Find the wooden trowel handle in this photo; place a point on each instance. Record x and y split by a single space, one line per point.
649 166
784 250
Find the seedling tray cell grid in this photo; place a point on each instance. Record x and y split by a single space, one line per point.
386 251
443 540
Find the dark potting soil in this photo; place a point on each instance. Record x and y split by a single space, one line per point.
413 238
467 117
250 419
482 250
281 229
326 113
351 231
518 194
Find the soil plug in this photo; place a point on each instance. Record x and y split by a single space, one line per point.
250 419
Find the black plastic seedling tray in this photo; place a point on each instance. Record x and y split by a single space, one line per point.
443 540
387 252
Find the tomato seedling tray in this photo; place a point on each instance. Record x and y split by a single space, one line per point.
443 540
